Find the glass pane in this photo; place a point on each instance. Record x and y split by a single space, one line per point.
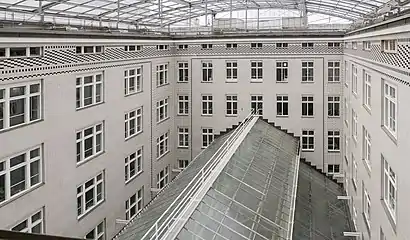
34 108
2 188
20 226
34 88
18 52
88 95
34 173
37 228
1 115
17 91
89 199
17 180
17 112
88 148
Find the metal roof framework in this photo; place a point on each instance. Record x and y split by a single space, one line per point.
165 12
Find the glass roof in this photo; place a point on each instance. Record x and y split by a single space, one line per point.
117 13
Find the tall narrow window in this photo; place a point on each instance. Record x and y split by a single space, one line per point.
282 105
307 106
162 74
162 110
90 194
282 71
134 205
367 45
333 141
389 46
207 71
346 112
367 90
20 173
354 45
98 233
183 105
33 224
183 137
333 71
133 80
89 142
207 105
257 104
307 71
333 106
354 79
366 207
133 164
308 140
207 137
256 70
133 123
182 164
89 90
162 178
231 71
183 71
231 105
389 188
367 147
354 174
333 168
162 145
390 107
346 74
354 125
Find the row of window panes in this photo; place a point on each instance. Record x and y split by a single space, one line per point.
308 140
89 49
278 45
183 137
16 52
389 45
133 48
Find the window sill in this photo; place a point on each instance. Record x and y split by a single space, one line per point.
281 81
88 211
89 106
256 81
231 81
368 167
354 185
22 193
206 115
308 150
183 147
231 115
333 82
367 108
308 117
390 134
163 155
333 151
20 125
347 123
133 177
333 117
183 115
134 135
163 120
355 94
163 85
89 159
282 116
346 85
307 82
346 160
182 81
207 81
134 93
389 216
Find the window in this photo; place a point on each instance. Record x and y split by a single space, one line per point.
163 47
390 107
2 52
132 80
346 148
206 46
134 205
231 105
366 207
35 51
346 112
207 71
162 110
257 104
133 48
207 137
182 46
354 176
354 125
183 137
207 108
354 79
231 71
182 164
281 71
89 142
307 71
89 90
162 178
333 106
307 106
33 224
354 45
308 140
282 105
354 215
20 104
389 46
133 164
133 123
182 71
346 74
20 173
90 194
98 233
307 45
18 52
183 105
256 45
333 45
281 45
162 145
367 45
231 46
333 141
389 188
333 71
333 168
367 147
256 70
367 90
162 74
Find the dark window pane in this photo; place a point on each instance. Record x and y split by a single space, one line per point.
35 51
17 180
34 173
2 188
20 227
18 52
17 112
34 108
17 160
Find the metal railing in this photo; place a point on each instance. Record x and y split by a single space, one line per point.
186 197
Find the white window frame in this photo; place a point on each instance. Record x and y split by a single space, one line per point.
333 71
354 174
162 110
282 71
163 47
133 80
257 104
96 135
27 52
346 74
367 90
256 45
307 45
183 163
133 164
366 207
163 178
390 108
308 140
134 203
346 154
346 112
206 46
354 219
183 47
231 105
333 45
133 48
354 79
96 85
367 148
355 124
231 46
207 71
333 106
98 232
389 45
162 74
389 188
95 49
82 189
162 145
183 137
32 93
31 223
282 100
207 105
282 45
207 136
367 45
183 72
331 168
231 71
256 71
307 104
334 136
133 123
354 45
308 71
183 105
